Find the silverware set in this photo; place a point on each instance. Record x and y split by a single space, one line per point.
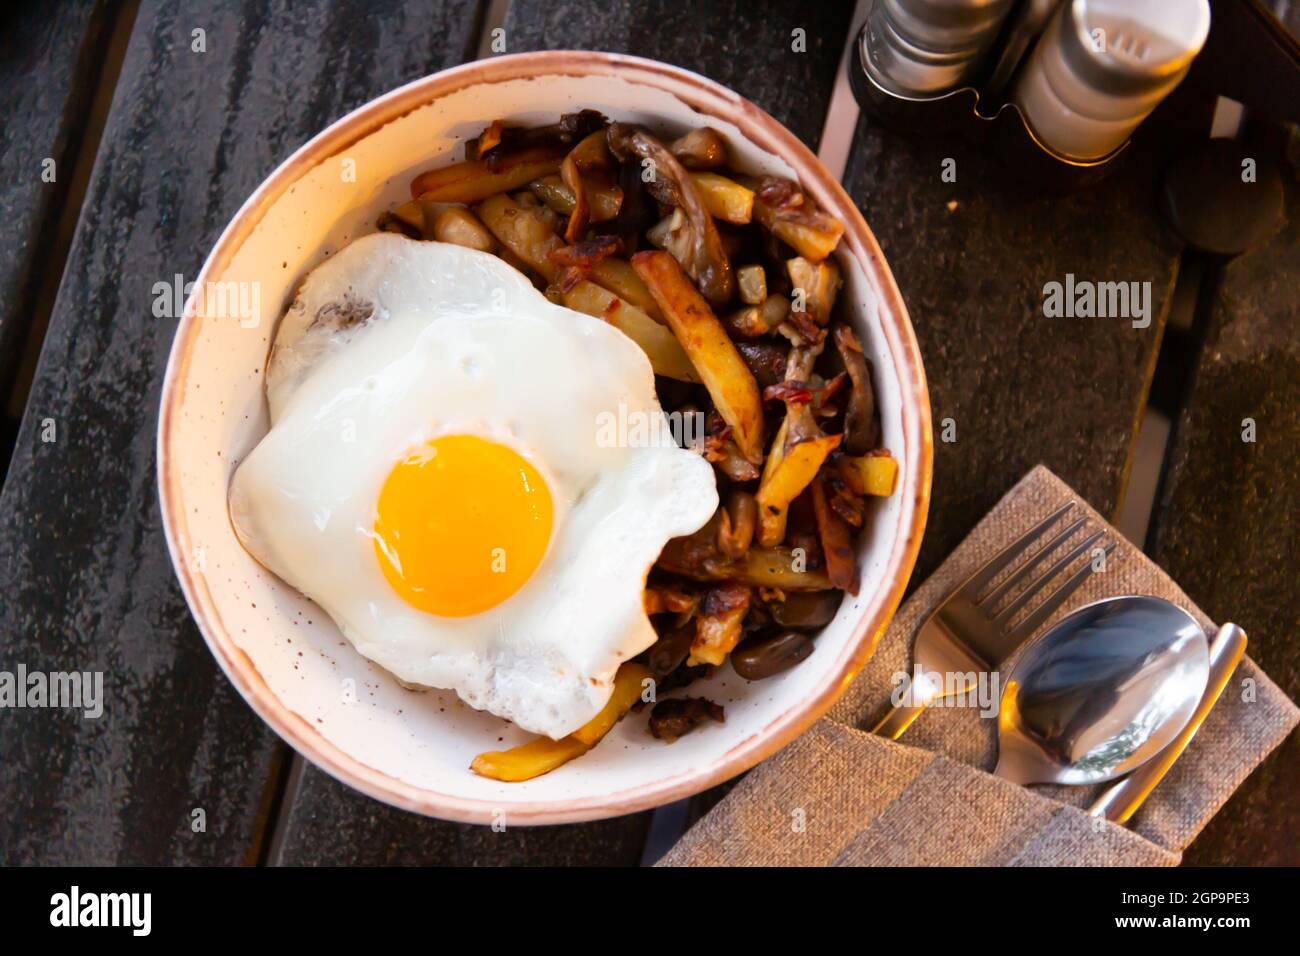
1114 691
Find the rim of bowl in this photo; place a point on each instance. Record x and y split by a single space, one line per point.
709 99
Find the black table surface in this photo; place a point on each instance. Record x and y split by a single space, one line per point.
155 144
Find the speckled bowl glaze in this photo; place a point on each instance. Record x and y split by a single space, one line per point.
288 659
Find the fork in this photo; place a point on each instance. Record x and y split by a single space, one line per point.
969 633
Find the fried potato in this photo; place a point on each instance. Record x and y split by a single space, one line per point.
780 567
524 232
878 473
719 625
629 683
544 754
819 282
724 198
728 379
460 226
618 276
528 760
657 341
755 320
412 214
473 180
786 212
794 469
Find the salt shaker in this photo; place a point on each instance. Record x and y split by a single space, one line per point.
920 48
1102 66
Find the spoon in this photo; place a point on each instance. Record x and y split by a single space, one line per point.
1101 692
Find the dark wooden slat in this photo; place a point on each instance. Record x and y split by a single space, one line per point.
1226 522
746 46
48 60
330 824
84 574
972 258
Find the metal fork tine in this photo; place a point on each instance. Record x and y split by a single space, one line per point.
1054 600
1005 587
980 580
1036 585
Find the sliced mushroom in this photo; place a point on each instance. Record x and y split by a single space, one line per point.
701 148
797 452
497 140
861 432
705 259
737 523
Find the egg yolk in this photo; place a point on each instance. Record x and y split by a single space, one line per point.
461 524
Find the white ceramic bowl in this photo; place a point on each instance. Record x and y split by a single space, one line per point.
287 658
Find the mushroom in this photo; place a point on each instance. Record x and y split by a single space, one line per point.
705 259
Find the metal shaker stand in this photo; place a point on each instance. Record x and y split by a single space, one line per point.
993 122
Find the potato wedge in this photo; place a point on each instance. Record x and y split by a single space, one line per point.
786 212
472 180
724 198
878 473
771 520
544 754
724 373
719 625
794 470
755 320
618 276
528 760
779 567
522 231
667 357
628 685
411 213
458 225
819 283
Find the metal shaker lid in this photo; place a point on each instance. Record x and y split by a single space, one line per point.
1133 47
946 26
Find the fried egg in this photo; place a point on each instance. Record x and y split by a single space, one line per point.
439 477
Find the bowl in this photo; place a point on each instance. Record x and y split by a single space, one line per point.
351 719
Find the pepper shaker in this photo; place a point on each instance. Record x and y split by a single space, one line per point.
922 48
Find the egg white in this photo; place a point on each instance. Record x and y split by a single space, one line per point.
392 342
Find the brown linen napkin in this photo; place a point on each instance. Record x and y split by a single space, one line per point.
840 795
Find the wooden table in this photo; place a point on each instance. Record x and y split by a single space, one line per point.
155 143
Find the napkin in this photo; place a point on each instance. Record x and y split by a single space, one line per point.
839 795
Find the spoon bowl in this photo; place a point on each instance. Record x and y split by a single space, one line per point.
1101 692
